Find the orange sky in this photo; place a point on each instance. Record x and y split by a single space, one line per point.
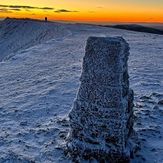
85 10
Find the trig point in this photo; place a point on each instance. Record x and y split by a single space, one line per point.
102 115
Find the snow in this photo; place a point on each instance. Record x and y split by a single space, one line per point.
39 84
17 34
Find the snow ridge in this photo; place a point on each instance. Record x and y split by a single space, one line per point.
18 34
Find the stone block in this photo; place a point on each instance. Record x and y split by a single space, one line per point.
101 119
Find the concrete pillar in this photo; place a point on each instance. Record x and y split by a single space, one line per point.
102 115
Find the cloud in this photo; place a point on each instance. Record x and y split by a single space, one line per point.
16 9
3 5
63 10
7 8
47 8
4 10
24 7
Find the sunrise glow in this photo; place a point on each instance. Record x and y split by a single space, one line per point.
86 10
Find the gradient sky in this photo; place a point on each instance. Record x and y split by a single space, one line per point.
85 10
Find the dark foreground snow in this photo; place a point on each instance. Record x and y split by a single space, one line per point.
38 86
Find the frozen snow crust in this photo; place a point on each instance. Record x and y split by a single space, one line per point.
38 86
18 34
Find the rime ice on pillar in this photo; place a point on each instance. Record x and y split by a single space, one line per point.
102 117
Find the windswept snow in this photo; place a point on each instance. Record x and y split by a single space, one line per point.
17 34
38 86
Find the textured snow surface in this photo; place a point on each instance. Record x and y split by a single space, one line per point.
38 86
17 34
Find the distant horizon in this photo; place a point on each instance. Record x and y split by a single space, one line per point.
156 25
85 10
83 21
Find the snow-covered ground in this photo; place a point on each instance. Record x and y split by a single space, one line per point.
17 34
38 86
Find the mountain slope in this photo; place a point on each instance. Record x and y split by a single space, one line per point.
16 34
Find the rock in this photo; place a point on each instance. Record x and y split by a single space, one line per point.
101 119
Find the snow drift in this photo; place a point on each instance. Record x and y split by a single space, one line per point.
16 34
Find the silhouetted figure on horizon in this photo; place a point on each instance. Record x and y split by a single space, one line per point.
46 19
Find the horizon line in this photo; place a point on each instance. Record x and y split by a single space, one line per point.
83 21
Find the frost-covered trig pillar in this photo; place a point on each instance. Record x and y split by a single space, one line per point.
102 117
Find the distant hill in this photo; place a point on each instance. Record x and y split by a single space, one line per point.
138 28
